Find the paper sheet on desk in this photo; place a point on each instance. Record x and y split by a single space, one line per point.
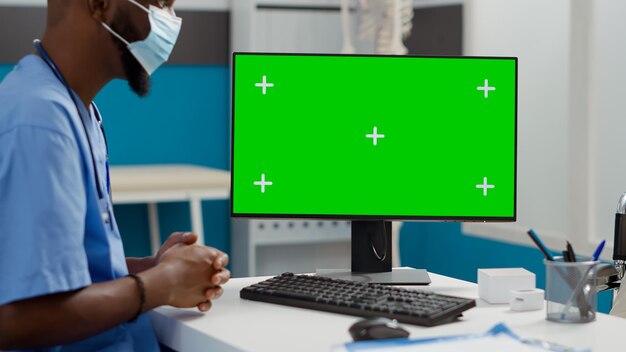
619 306
499 338
490 343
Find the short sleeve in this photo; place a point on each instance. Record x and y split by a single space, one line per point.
43 210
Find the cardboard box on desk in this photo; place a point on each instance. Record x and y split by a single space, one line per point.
495 285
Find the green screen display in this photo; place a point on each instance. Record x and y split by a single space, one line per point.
384 137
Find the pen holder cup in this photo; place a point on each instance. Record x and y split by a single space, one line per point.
570 290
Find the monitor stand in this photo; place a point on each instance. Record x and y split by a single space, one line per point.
371 258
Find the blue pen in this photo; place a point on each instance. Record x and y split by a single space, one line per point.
596 254
540 244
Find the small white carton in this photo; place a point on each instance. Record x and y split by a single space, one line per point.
495 285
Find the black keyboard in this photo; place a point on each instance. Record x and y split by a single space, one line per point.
361 299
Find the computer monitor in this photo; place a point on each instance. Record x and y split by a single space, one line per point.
372 139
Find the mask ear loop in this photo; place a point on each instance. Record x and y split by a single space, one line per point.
167 11
115 34
140 6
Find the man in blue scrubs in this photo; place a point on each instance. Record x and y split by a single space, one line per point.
65 284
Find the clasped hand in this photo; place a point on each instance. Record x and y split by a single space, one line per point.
196 268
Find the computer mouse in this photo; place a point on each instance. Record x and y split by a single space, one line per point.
377 329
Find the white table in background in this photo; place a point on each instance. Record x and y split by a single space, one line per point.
169 183
234 324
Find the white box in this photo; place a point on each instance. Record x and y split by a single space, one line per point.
523 300
495 285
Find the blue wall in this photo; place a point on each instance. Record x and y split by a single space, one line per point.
186 120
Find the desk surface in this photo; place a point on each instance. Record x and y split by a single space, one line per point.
234 324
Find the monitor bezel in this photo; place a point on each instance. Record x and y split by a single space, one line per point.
368 217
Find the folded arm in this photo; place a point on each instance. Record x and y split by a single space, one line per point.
185 277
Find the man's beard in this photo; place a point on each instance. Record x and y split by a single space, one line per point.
138 79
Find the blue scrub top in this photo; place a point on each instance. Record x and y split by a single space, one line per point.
52 236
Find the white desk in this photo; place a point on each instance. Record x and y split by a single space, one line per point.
169 183
235 324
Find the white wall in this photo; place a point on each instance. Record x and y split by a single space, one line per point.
536 31
297 31
572 113
607 111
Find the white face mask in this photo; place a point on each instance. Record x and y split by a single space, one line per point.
154 51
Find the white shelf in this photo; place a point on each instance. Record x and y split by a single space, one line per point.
267 247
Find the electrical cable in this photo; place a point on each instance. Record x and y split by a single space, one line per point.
371 235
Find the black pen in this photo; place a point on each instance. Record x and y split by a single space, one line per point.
540 245
570 250
566 257
580 298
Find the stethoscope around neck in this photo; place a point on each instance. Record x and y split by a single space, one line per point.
106 212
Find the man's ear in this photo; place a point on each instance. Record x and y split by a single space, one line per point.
98 9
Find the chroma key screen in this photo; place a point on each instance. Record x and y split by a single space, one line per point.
354 136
